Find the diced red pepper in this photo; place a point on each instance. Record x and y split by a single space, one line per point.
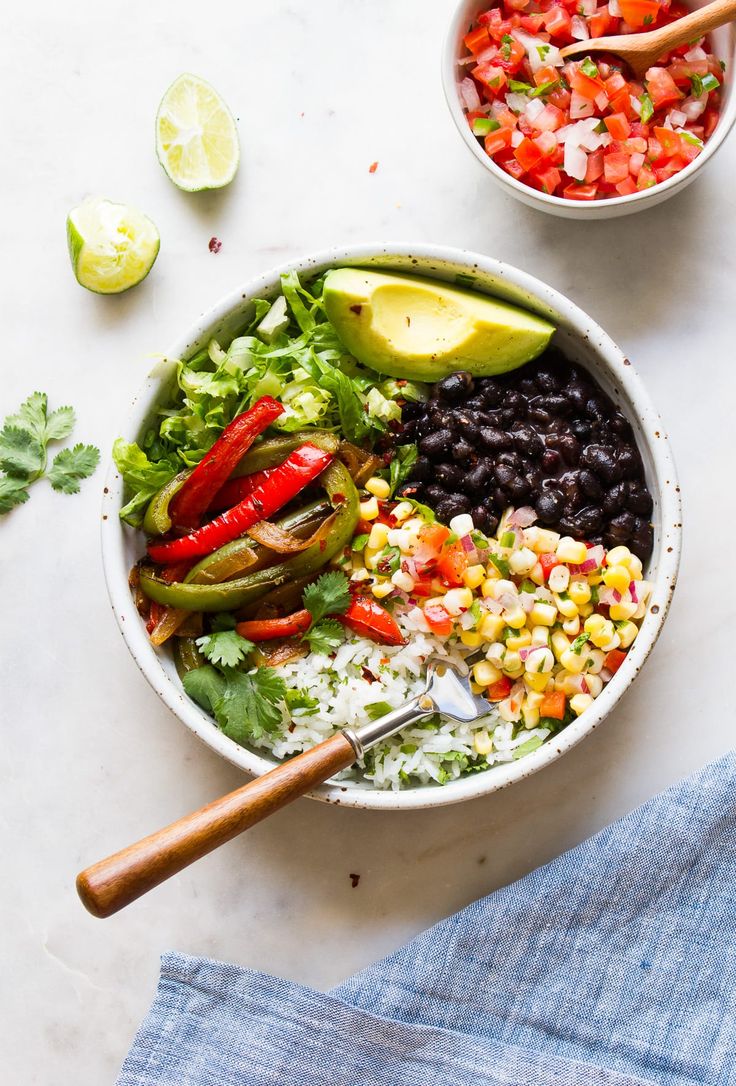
366 617
298 470
553 705
548 563
266 629
613 660
500 689
191 501
438 619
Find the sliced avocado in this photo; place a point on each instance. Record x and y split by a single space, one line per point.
424 329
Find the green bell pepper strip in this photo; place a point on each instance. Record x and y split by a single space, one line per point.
273 450
236 593
209 570
157 520
187 656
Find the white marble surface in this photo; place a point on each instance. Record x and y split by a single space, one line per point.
90 759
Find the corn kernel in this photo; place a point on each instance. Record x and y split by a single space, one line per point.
519 640
522 561
540 635
567 683
399 537
378 537
613 643
617 577
462 524
515 618
491 627
560 643
483 742
594 624
509 712
559 578
402 580
370 556
627 631
531 717
580 702
541 540
536 681
578 591
570 550
511 663
537 574
533 698
572 662
566 607
485 673
539 662
600 635
378 487
571 626
495 653
402 511
474 576
488 588
594 660
619 612
595 578
369 509
471 638
634 567
474 688
381 589
594 684
543 614
618 556
503 587
585 609
458 600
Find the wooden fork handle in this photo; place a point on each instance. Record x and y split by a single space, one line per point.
113 883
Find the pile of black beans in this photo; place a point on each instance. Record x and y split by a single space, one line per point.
544 435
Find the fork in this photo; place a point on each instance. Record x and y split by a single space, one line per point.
111 884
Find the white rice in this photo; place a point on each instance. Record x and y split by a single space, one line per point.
435 751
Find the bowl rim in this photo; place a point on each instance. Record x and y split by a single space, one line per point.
543 200
652 432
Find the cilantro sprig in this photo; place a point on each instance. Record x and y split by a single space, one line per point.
24 441
328 595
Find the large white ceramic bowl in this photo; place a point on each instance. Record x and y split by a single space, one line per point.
578 336
724 44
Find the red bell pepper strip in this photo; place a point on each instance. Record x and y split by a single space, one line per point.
283 484
266 629
613 660
189 503
366 617
235 490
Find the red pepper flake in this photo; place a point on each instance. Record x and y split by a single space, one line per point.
373 167
322 544
215 245
368 675
357 309
354 879
338 498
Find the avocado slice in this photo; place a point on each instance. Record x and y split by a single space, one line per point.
423 329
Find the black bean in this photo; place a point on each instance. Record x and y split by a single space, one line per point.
619 424
436 444
639 500
449 476
509 416
410 490
499 498
453 507
603 461
519 488
540 415
504 474
551 461
477 479
629 461
495 439
567 445
615 498
589 484
642 540
456 386
511 458
546 379
411 410
581 428
462 451
549 506
557 404
577 396
621 527
588 519
528 441
435 493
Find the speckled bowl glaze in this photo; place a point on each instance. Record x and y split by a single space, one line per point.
578 336
724 44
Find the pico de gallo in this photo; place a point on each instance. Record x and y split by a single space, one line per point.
585 129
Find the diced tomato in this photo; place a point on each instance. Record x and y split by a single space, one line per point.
491 76
668 140
547 144
512 166
548 179
532 23
496 141
546 75
615 168
438 619
423 589
553 705
477 40
639 13
614 84
528 154
549 120
662 87
500 689
594 169
586 87
626 187
645 178
663 173
618 125
452 563
548 563
710 118
613 660
558 22
577 191
600 23
365 616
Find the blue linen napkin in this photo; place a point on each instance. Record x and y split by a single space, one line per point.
614 965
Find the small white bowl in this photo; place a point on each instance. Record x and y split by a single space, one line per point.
724 44
580 338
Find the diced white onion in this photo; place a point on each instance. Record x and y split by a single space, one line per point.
677 118
534 108
579 29
469 94
580 107
516 102
576 161
694 107
516 137
635 105
601 100
532 46
696 53
614 9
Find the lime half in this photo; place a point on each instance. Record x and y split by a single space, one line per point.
196 137
112 246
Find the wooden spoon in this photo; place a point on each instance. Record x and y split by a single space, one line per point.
642 51
113 883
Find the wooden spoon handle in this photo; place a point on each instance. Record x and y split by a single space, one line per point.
113 883
697 23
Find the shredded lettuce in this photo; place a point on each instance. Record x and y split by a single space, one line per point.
300 361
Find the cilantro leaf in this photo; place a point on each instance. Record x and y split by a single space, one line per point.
21 453
31 415
401 464
71 465
328 595
225 648
12 492
225 620
206 686
60 424
325 636
577 645
249 706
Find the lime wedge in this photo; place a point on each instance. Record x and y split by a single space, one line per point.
196 137
111 246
